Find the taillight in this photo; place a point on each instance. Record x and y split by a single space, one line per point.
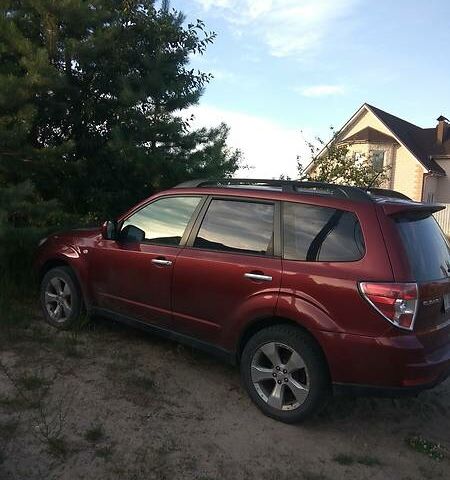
397 302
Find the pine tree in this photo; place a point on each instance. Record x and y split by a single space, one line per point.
91 101
24 219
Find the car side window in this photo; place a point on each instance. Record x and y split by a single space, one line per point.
237 226
165 220
321 234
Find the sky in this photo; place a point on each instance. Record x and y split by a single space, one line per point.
286 70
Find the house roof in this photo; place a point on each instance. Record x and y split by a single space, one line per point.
371 135
421 142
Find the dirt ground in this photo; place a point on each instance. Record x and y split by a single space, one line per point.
109 402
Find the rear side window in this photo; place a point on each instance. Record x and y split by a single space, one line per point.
236 226
426 247
321 234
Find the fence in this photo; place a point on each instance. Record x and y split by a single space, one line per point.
443 218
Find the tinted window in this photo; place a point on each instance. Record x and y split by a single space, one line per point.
164 221
426 247
235 226
324 234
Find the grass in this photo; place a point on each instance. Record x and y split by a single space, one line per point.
346 459
94 434
427 447
57 446
33 382
104 452
314 476
144 382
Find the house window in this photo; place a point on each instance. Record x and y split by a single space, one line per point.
378 160
358 157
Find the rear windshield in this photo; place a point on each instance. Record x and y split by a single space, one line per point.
426 246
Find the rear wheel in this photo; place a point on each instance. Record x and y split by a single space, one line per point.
61 299
285 374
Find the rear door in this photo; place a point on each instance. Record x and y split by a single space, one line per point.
230 270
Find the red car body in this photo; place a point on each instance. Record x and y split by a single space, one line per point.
204 297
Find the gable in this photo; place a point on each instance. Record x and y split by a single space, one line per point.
364 120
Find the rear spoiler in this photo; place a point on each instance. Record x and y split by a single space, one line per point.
402 208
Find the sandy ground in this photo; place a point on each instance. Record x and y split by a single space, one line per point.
110 402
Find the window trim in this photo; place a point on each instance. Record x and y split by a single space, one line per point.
320 262
276 225
188 228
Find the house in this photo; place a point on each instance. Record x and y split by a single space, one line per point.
419 158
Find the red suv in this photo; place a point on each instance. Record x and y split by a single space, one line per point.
304 285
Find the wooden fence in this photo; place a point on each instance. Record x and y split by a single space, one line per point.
443 218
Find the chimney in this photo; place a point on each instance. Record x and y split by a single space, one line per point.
442 129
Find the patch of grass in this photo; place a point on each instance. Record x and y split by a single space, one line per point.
33 382
427 447
144 382
57 446
2 457
94 434
346 459
314 476
104 452
369 461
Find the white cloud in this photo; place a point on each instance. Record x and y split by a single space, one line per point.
287 27
270 148
320 90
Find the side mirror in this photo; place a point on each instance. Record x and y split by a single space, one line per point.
109 230
131 234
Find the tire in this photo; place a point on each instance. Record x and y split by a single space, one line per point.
60 290
272 373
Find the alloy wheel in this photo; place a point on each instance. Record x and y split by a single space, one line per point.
58 299
280 376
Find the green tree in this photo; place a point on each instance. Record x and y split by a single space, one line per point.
92 95
24 219
333 163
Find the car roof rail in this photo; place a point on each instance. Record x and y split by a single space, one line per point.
297 186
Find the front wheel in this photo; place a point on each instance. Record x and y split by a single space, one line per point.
285 374
61 299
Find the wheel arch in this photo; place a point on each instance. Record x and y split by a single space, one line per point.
63 262
53 263
261 323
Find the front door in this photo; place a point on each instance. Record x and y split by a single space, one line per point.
135 278
229 272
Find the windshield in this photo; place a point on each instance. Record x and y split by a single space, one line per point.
426 246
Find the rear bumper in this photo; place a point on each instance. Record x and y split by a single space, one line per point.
396 365
346 389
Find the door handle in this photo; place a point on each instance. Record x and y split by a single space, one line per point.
258 276
162 262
